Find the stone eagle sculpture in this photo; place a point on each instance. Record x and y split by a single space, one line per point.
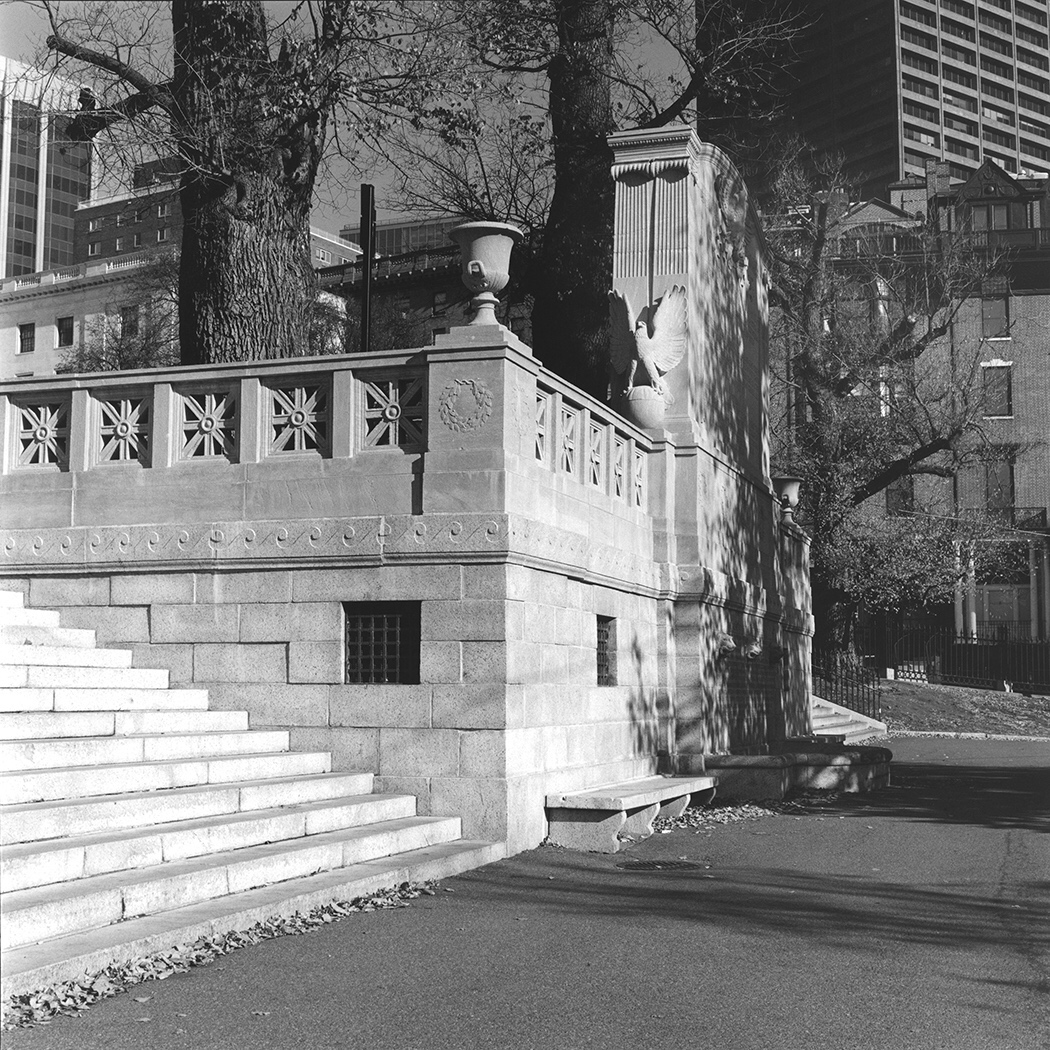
630 343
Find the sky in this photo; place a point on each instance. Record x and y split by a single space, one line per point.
24 26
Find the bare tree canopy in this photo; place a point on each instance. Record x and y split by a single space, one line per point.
248 110
555 78
878 401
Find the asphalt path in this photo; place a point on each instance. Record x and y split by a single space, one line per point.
915 917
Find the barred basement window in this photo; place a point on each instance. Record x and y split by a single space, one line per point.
382 642
606 650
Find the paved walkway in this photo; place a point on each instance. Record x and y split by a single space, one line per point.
914 918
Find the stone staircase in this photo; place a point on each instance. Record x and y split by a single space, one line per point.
842 725
134 819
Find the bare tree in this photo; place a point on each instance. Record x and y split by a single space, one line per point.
248 111
877 394
577 70
138 328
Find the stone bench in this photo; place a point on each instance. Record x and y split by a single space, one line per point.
602 819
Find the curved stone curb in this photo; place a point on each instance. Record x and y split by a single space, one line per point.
966 736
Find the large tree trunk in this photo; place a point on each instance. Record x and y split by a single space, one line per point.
573 271
246 286
834 617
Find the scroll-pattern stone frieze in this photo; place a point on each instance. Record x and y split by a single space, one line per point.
369 539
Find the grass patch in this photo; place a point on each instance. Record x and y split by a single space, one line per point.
922 707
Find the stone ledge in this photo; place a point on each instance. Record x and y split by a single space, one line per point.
822 768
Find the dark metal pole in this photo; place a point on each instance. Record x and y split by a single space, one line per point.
368 248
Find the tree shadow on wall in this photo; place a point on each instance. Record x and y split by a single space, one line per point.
752 692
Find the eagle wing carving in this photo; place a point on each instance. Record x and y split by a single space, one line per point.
667 345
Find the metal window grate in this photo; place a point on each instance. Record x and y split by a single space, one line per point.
382 642
606 658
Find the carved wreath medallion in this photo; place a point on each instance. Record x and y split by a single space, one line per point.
465 404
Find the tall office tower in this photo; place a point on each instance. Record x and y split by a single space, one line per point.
890 84
42 174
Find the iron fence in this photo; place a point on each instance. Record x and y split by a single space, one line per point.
988 662
841 678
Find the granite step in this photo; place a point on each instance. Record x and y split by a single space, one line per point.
43 676
45 635
36 821
16 615
44 699
134 817
63 656
834 721
40 785
35 864
22 725
74 955
34 915
48 753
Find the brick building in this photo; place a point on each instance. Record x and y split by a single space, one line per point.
1011 319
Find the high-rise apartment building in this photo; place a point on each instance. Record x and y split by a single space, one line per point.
43 176
890 84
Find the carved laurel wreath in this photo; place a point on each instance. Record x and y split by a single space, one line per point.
452 417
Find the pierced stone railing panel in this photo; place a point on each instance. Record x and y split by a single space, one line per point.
300 418
394 412
580 438
208 424
43 434
124 428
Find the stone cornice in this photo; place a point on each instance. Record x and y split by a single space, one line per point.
373 541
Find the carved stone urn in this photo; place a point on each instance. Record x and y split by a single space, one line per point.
646 407
786 488
486 248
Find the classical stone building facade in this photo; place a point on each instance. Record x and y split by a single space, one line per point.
444 564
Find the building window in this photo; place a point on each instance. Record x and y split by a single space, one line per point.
324 255
65 331
927 138
997 383
129 321
1033 58
439 303
997 68
920 87
995 317
136 240
382 642
990 217
162 235
26 338
163 211
1032 14
94 225
606 650
94 247
121 243
999 483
